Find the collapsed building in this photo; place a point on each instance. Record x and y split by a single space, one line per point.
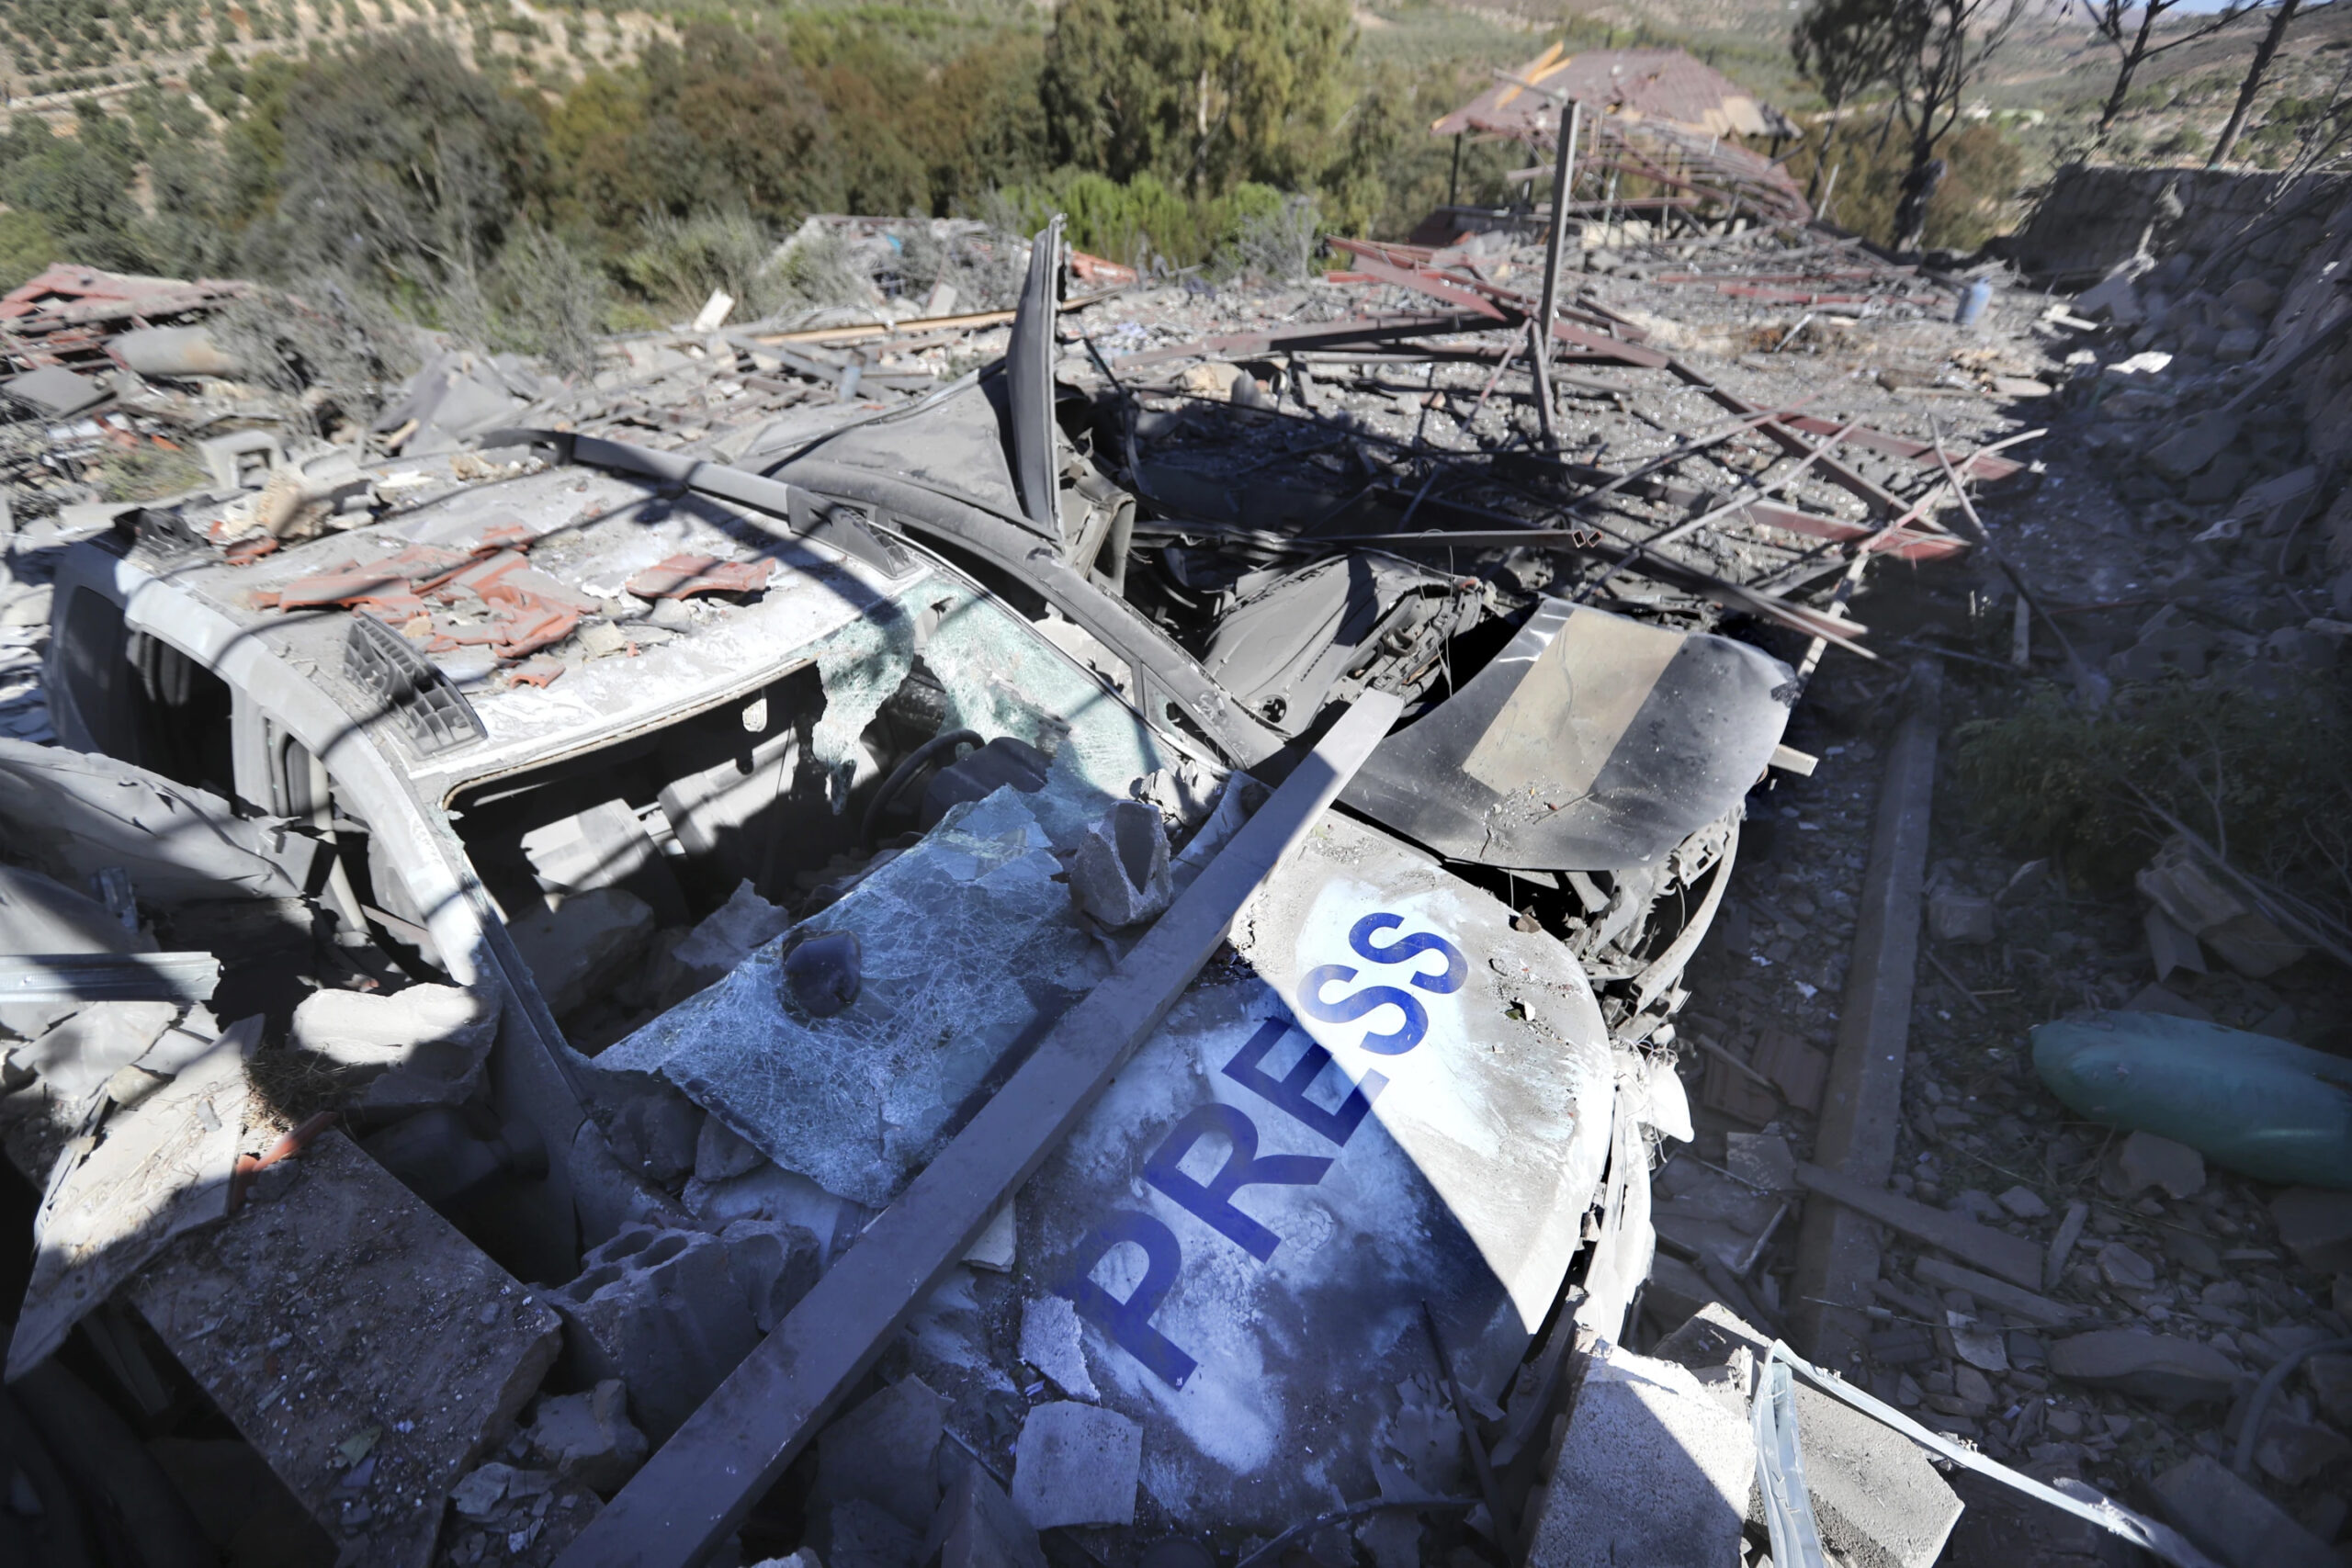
798 946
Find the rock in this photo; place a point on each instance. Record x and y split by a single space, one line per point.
609 1196
2155 1367
2236 1524
2180 885
1761 1159
2316 1226
1050 1342
2113 299
1077 1465
1961 918
582 945
1972 1385
2251 295
425 1045
885 1453
480 1495
726 936
660 1310
2292 1453
2125 1269
655 1131
2147 1160
720 1155
2238 347
589 1436
2195 443
2330 1381
2024 1203
1652 1470
856 1534
774 1264
997 1245
76 1056
1119 872
825 972
978 1527
1978 1347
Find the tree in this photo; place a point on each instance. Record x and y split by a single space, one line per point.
1942 48
400 161
1203 92
2114 22
2254 72
1843 48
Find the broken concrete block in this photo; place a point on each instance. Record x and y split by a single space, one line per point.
885 1453
2238 347
294 1295
775 1264
1077 1465
1963 920
978 1527
1119 873
1879 1502
2316 1226
2147 1160
583 944
430 1042
610 1197
720 1155
2125 1269
589 1436
2236 1524
856 1534
2113 297
1050 1342
2024 1203
1651 1470
2200 902
2330 1382
76 1058
726 936
1877 1498
481 1495
2252 295
996 1246
1761 1159
660 1310
2195 443
2155 1367
2292 1452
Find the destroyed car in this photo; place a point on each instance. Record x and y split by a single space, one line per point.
778 816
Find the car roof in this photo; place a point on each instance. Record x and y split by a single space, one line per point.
582 536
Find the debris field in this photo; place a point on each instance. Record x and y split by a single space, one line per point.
1124 919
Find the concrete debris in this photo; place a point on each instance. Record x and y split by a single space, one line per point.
1050 1342
690 858
1964 920
1120 871
2161 1368
884 1454
2146 1160
978 1527
1077 1464
2237 1524
2316 1227
1651 1470
662 1312
589 1436
424 1045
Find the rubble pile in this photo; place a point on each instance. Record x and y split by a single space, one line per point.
1380 801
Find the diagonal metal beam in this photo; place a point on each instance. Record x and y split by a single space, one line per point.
693 1492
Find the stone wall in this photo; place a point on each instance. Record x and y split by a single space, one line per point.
2230 225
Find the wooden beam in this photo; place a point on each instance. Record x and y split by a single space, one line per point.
694 1492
